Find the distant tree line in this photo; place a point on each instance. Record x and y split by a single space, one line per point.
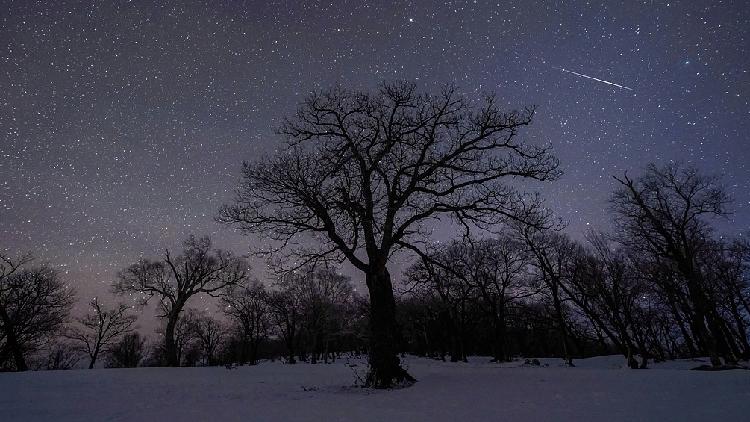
311 315
662 286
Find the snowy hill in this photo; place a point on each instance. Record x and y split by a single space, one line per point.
598 389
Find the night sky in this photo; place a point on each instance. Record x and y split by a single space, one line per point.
123 127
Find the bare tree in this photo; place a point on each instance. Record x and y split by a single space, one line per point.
553 254
490 273
445 272
365 172
61 356
8 340
322 292
100 328
665 211
186 344
34 304
606 284
128 352
499 270
285 307
727 283
174 280
248 306
209 332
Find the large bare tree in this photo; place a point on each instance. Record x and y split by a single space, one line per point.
101 328
174 280
34 305
370 173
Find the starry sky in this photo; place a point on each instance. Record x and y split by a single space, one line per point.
123 124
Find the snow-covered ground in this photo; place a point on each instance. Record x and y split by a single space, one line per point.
598 389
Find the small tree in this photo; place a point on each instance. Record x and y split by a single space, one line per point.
727 268
553 257
323 293
61 356
128 352
366 173
100 328
248 306
445 273
286 313
34 305
174 280
498 269
209 334
606 286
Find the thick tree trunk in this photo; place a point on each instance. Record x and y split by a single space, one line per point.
561 322
698 322
498 322
632 362
314 348
290 345
15 349
740 330
253 358
644 351
686 335
456 336
462 332
704 322
94 356
170 345
385 367
12 343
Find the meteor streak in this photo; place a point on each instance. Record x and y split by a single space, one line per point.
593 78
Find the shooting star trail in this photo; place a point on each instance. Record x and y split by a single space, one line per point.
593 78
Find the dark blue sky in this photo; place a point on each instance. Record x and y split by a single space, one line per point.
122 128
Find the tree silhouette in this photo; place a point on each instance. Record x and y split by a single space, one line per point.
100 328
366 173
174 280
666 212
247 304
34 304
